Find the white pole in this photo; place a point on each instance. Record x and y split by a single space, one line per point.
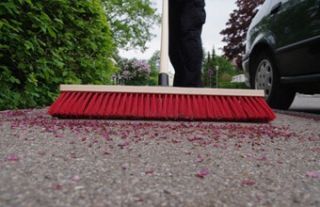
164 55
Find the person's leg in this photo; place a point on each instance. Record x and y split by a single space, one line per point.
192 19
175 42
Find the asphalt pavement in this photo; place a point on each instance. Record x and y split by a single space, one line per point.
306 103
46 161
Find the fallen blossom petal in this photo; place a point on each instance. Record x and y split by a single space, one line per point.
122 145
313 174
12 158
106 153
216 145
149 172
42 153
202 173
73 155
248 182
75 178
199 159
262 158
59 136
139 199
316 149
57 186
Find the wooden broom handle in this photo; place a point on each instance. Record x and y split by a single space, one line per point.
164 55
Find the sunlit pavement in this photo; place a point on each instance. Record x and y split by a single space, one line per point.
306 103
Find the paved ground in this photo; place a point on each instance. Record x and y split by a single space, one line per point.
51 162
306 103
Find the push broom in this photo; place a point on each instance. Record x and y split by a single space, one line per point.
161 102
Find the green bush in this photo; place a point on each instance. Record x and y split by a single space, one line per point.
44 43
233 85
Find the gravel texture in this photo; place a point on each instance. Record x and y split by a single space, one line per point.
46 161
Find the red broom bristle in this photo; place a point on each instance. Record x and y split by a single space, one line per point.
161 106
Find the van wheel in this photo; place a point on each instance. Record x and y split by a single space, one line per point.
265 76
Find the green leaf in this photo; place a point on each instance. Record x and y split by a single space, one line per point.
58 63
51 32
65 73
14 80
28 2
28 45
10 7
4 46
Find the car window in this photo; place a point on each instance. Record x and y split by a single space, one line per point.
296 21
263 11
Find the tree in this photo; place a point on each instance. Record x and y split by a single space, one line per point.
131 22
226 72
44 43
154 63
209 70
218 71
237 27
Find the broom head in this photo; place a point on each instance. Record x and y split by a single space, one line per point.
161 103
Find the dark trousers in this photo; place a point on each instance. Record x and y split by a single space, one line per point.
186 18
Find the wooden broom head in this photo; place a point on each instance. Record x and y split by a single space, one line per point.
162 90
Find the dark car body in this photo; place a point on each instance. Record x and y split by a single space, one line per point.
285 34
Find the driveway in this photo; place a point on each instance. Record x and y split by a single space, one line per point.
50 162
306 103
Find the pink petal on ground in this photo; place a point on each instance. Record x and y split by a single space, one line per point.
149 172
75 178
316 149
262 158
12 158
199 159
73 155
175 141
248 182
187 152
139 199
42 153
313 174
123 144
57 186
202 173
216 145
106 153
59 136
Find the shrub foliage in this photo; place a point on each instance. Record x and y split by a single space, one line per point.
234 35
44 43
134 72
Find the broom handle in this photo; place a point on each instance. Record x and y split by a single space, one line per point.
164 55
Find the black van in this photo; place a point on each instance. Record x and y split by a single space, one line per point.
283 50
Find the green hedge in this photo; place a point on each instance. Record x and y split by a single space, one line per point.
44 43
232 85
